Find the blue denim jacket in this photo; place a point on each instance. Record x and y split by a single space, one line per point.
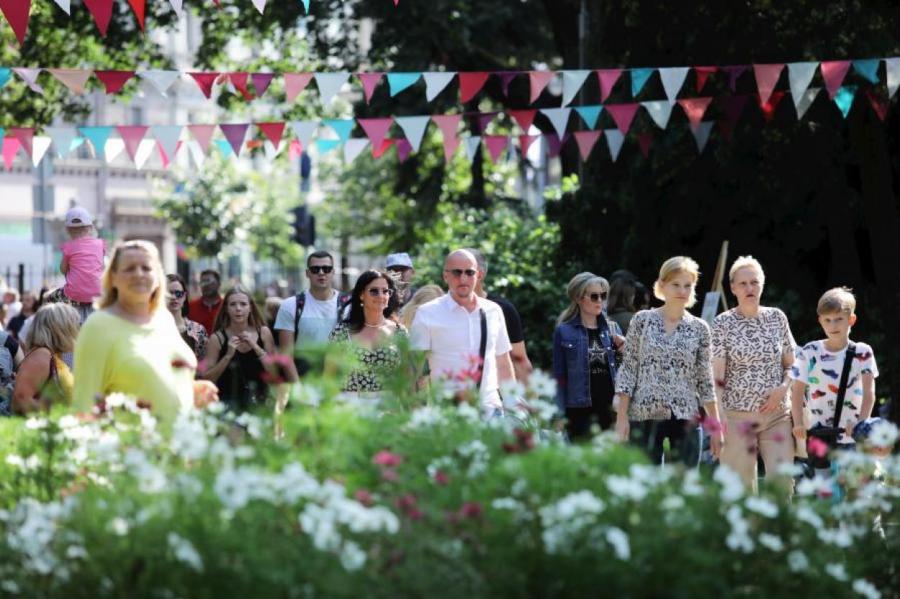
571 366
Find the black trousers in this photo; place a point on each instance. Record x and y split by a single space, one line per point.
683 436
580 420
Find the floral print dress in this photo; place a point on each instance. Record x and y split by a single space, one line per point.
373 362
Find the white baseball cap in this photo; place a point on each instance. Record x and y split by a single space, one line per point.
78 217
398 259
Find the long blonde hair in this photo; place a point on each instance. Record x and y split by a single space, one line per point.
422 296
110 295
55 328
575 291
254 319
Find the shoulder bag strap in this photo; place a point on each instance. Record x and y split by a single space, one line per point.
482 348
298 310
842 388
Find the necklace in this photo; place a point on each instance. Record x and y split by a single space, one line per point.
375 326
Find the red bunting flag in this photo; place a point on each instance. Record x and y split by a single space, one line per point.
239 81
138 6
205 82
261 82
538 81
294 83
101 10
586 141
235 134
525 118
369 82
525 142
272 131
703 74
203 134
17 14
132 136
879 104
470 84
384 146
768 107
495 144
607 79
694 108
833 72
24 135
767 76
645 140
623 115
376 129
113 81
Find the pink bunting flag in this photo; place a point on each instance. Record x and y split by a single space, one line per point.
203 134
261 82
525 118
768 107
404 148
376 129
607 79
767 76
205 82
162 154
833 72
113 81
694 108
525 142
295 149
74 79
448 124
10 148
369 82
294 83
623 115
539 80
101 10
132 136
17 15
645 140
239 81
235 134
272 131
495 145
703 74
734 73
470 84
24 135
586 141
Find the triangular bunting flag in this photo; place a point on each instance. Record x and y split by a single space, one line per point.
98 137
555 144
303 131
260 5
205 82
639 79
178 7
403 150
225 148
261 82
623 115
800 75
892 69
203 134
701 134
496 144
767 76
101 10
471 145
401 81
74 79
436 82
235 134
538 80
414 129
343 127
868 69
294 83
113 81
833 72
607 79
506 78
485 119
10 149
659 111
572 82
330 84
879 104
5 75
525 142
376 129
470 84
524 118
672 80
703 74
144 151
844 98
734 73
139 9
161 80
559 118
305 5
62 139
645 140
17 14
29 76
589 114
24 135
384 147
614 139
272 131
586 141
806 101
450 146
353 148
369 82
65 5
167 137
39 148
694 108
132 136
240 81
768 108
447 123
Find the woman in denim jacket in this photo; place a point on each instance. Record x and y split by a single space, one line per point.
584 357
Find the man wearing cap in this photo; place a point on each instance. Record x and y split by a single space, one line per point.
82 263
400 265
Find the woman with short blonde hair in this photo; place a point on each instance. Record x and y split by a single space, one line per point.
424 295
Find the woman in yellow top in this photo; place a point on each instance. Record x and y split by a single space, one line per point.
131 344
43 378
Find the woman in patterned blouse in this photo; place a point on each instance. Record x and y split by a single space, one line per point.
192 332
370 334
752 353
665 376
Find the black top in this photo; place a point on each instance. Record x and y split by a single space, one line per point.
242 385
512 318
12 345
601 382
15 324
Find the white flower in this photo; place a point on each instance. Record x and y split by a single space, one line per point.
35 424
838 537
884 434
542 384
762 506
185 552
673 503
468 412
806 514
619 541
76 552
770 541
424 417
352 556
189 439
10 586
690 485
511 391
625 487
836 571
732 485
866 589
507 503
797 561
119 526
739 538
308 395
564 520
68 421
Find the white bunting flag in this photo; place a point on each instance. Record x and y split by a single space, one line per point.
161 80
672 80
113 148
330 84
435 82
701 134
472 144
892 67
800 75
559 117
144 152
303 130
29 76
572 83
806 101
167 136
614 139
354 147
65 5
62 139
39 146
413 128
659 111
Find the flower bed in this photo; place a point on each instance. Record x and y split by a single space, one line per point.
428 501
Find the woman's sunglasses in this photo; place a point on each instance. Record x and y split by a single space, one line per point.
375 292
178 294
597 297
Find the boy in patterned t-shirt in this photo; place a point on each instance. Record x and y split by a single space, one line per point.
818 365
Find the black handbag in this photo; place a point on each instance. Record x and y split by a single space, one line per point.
830 434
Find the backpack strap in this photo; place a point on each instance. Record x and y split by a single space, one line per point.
842 388
298 310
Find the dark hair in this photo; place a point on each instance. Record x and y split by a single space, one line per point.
621 296
212 272
255 319
319 254
356 317
622 274
176 278
642 299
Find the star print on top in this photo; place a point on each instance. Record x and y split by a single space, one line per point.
820 370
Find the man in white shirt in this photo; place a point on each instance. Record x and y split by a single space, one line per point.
317 314
449 330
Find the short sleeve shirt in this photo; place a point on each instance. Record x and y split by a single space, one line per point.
316 321
512 318
753 349
820 370
85 258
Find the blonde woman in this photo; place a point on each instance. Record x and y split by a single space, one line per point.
422 296
752 353
666 375
130 344
43 378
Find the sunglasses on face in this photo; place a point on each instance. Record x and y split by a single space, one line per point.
376 291
459 272
321 269
597 297
178 294
398 269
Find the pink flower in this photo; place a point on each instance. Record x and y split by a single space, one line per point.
748 428
389 474
441 477
364 497
409 505
817 447
471 510
387 459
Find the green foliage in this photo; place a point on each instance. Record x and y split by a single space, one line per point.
269 226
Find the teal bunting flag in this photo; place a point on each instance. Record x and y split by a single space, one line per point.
589 114
868 69
400 81
639 79
844 98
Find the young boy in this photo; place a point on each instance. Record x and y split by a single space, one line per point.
818 365
82 263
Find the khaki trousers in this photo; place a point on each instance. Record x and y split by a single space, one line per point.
749 434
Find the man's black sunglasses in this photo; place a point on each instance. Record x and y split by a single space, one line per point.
321 269
458 272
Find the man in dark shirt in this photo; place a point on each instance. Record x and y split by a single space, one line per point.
519 355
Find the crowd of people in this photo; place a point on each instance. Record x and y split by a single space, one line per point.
656 377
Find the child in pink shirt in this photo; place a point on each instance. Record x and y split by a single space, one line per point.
82 263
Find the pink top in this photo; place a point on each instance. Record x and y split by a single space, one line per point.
85 258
